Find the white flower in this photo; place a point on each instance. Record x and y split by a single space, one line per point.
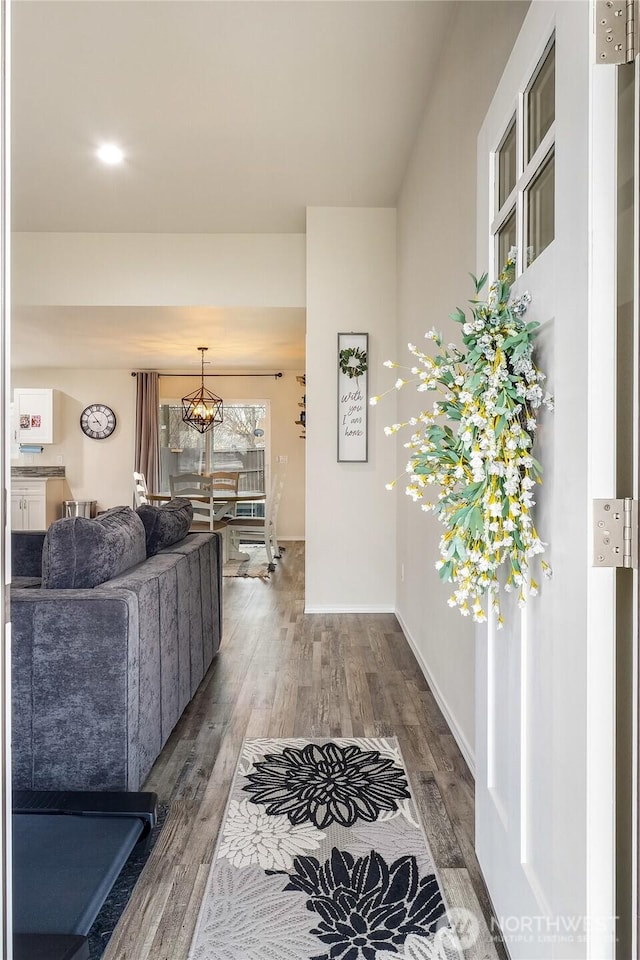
246 911
252 836
442 946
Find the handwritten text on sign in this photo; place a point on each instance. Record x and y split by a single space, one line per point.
353 398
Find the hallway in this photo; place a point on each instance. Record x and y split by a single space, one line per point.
282 674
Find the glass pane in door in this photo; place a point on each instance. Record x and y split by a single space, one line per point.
506 239
541 103
238 443
540 202
507 164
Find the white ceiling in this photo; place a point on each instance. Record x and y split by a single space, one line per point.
234 116
158 338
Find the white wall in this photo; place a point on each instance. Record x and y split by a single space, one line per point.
436 249
283 396
350 525
95 469
222 270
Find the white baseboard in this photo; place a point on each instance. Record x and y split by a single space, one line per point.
461 740
290 539
350 608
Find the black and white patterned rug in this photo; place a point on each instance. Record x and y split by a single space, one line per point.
321 856
256 565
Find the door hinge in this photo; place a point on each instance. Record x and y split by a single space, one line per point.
616 30
615 533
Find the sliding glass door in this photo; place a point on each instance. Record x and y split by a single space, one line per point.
240 442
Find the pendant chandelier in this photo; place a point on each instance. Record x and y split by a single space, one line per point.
202 409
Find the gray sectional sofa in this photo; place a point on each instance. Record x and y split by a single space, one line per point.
109 644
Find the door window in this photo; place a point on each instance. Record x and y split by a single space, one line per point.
524 172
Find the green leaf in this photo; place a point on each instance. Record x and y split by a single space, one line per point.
476 525
457 316
510 341
460 515
473 489
479 283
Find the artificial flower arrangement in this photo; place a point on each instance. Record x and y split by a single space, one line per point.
475 446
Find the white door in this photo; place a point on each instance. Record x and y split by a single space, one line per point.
545 683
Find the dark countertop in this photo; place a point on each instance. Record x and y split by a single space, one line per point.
37 473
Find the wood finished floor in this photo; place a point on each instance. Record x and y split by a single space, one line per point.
280 673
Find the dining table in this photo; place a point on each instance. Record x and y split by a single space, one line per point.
224 503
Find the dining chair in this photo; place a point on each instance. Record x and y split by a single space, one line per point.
258 529
225 481
140 492
191 485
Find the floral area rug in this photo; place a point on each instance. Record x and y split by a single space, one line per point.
256 566
321 856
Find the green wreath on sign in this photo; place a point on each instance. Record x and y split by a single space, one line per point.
353 362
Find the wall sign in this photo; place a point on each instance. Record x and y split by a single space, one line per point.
353 398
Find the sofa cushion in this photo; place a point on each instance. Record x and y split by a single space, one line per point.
79 552
165 525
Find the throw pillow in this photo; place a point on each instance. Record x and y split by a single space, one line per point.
79 552
167 524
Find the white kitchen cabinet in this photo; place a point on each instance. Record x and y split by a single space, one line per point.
35 504
33 412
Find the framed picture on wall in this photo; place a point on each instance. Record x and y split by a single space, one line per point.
353 397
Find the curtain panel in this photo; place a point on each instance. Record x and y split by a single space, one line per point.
147 451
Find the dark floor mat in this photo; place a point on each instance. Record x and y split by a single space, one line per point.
113 907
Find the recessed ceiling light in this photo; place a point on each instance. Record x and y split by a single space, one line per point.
110 153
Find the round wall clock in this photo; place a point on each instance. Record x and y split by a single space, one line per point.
98 421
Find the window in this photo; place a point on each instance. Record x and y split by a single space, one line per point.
524 172
507 164
238 443
541 210
507 237
541 103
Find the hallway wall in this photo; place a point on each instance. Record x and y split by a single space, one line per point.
436 251
350 517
